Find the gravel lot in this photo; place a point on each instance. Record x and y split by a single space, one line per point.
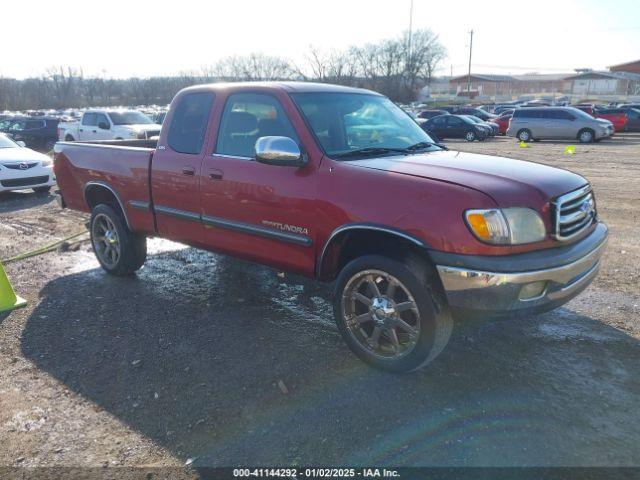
212 361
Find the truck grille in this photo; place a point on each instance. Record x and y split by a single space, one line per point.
573 213
24 182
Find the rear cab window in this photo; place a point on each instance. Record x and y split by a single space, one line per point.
189 122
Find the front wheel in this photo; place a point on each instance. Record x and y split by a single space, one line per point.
524 135
586 136
119 250
390 314
470 136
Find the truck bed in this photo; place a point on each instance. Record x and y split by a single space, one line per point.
122 166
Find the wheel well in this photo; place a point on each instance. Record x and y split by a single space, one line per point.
97 194
69 138
351 244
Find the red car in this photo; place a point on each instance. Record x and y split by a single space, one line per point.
304 178
617 116
590 109
503 123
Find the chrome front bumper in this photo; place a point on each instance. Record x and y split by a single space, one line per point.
531 291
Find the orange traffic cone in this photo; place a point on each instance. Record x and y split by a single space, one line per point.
8 299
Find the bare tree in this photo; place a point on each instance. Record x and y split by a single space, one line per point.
424 54
396 67
63 82
254 67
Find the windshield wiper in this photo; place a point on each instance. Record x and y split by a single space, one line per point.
370 151
422 145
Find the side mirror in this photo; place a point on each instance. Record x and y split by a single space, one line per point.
103 126
21 143
282 151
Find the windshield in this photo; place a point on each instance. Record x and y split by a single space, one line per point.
580 113
346 122
129 118
6 142
474 119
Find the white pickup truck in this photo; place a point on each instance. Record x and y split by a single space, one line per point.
109 125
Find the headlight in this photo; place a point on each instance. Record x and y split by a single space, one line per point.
47 163
142 135
507 226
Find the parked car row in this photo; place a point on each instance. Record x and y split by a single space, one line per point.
109 125
39 133
40 130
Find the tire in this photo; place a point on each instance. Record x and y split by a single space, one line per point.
470 136
69 138
366 318
586 135
524 135
48 146
109 232
42 190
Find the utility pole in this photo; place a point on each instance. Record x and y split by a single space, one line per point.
469 74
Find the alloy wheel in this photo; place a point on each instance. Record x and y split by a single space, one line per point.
381 314
106 242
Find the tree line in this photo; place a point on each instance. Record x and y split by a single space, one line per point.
396 67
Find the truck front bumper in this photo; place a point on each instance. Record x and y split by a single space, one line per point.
520 284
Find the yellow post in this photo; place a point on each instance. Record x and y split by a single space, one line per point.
8 299
524 145
570 150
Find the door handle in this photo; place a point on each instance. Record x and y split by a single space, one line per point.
188 171
94 131
215 174
81 130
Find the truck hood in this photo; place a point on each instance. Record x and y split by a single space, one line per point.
509 182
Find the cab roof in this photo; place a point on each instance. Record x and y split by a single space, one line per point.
289 87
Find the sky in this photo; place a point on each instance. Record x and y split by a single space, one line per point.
118 39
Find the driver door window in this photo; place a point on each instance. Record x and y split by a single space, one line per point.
247 117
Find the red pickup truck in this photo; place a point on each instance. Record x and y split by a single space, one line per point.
341 185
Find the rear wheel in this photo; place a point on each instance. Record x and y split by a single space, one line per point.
119 250
48 146
69 138
524 135
586 135
390 314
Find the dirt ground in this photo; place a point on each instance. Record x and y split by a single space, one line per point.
209 361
